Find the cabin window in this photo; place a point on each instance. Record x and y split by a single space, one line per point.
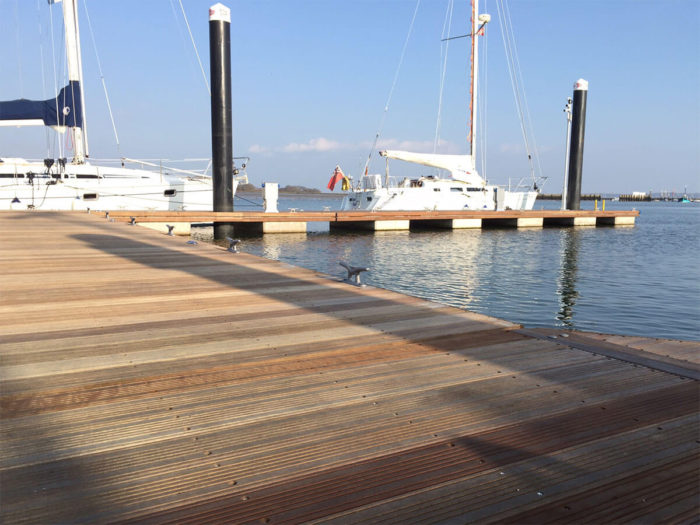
369 199
436 189
458 190
474 189
11 176
86 176
90 196
170 193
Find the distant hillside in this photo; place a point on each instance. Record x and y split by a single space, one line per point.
251 188
298 189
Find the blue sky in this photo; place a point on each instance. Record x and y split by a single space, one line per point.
311 78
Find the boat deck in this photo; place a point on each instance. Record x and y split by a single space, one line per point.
149 380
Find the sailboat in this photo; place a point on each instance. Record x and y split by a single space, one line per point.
77 184
464 189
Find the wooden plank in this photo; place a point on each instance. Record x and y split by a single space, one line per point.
147 381
578 340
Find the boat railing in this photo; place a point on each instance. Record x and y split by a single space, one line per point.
376 181
524 184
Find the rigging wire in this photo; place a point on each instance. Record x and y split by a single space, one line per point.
391 91
47 134
19 53
509 46
102 78
194 45
446 29
522 83
55 81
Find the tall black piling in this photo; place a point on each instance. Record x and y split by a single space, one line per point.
578 129
221 119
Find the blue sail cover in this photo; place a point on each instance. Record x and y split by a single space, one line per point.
64 110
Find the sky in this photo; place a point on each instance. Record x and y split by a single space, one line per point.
311 79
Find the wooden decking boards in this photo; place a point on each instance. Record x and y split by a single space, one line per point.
148 380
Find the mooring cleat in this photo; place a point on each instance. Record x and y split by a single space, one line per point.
132 220
353 273
233 244
170 229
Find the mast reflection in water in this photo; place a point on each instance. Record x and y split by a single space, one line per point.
566 283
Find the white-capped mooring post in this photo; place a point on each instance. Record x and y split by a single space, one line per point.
578 129
567 111
221 119
270 194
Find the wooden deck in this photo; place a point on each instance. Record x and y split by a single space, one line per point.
149 380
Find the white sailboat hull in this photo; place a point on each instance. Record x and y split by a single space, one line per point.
429 193
28 185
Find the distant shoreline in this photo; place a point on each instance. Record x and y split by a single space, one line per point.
286 190
320 194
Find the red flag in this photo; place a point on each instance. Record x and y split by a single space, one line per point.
337 176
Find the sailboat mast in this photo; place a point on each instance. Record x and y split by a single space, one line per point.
477 27
473 78
75 76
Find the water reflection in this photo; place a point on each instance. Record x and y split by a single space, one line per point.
274 246
418 263
566 283
582 278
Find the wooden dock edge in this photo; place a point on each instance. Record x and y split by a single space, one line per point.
580 341
255 223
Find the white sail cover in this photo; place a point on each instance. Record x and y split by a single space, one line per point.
460 166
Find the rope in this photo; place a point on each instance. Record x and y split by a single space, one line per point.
391 91
248 200
102 77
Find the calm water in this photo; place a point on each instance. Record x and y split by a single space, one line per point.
641 280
